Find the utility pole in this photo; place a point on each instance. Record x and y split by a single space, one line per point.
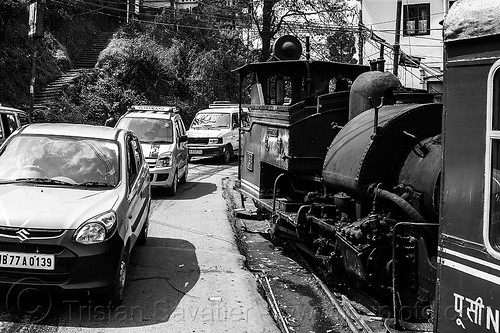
128 11
36 15
396 48
360 28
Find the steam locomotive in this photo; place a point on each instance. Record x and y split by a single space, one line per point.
381 181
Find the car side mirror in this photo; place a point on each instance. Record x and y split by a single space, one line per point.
183 138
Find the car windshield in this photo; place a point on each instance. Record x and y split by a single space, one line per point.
149 130
210 120
60 160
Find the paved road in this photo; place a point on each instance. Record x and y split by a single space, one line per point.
188 278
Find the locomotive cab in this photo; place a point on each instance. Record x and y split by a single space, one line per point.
296 108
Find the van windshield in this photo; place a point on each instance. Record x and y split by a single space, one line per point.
149 130
211 120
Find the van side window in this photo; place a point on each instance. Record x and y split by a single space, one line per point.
133 160
180 128
11 119
9 124
23 120
236 122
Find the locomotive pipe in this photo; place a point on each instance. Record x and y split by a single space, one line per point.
375 118
395 299
401 203
274 193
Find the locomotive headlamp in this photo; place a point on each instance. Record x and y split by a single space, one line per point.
287 48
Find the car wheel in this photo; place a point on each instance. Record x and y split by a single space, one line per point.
228 152
172 190
143 236
183 179
116 294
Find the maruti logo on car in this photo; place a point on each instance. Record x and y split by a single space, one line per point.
23 234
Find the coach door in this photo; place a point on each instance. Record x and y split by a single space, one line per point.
469 252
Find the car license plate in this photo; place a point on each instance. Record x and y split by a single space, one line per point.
195 151
27 260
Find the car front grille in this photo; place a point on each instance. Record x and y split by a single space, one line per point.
12 232
31 248
202 141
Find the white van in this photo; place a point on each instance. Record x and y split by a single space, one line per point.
10 120
162 135
214 132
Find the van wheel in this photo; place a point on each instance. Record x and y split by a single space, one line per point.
183 179
228 153
172 190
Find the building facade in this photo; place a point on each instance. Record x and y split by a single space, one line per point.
420 63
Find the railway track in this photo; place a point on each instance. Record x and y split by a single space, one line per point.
356 322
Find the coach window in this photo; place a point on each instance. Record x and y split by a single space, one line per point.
492 182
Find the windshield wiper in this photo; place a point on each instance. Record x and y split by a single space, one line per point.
95 184
160 141
43 181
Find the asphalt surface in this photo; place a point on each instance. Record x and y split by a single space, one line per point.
189 277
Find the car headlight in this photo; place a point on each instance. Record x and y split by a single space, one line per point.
164 160
214 140
96 229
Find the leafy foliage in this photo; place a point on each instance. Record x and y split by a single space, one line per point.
316 19
142 66
63 21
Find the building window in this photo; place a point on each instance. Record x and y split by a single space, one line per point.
492 165
416 19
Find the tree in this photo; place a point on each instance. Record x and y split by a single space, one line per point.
10 9
342 46
314 18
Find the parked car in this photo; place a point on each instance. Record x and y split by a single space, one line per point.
214 132
10 120
75 200
162 134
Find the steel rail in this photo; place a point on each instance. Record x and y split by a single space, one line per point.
347 312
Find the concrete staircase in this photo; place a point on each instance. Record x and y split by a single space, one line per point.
48 95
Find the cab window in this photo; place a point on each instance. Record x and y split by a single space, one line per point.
492 172
280 90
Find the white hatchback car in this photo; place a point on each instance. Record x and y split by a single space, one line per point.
162 135
214 132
